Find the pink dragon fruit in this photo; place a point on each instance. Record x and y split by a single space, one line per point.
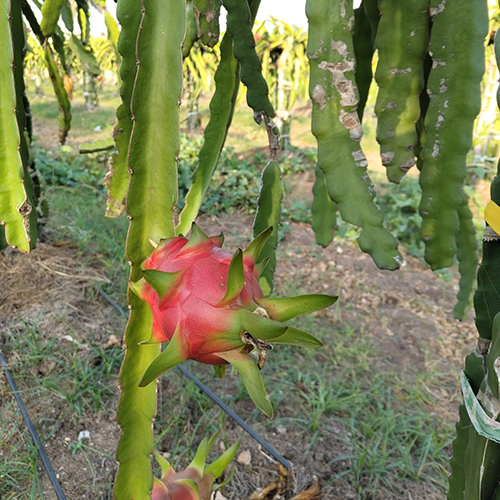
196 482
209 306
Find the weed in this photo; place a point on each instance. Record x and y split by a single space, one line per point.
81 375
18 459
63 166
386 423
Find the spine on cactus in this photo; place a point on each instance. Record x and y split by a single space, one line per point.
151 50
17 213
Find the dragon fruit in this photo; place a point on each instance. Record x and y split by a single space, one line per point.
196 482
209 306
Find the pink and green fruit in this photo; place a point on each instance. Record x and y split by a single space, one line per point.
210 308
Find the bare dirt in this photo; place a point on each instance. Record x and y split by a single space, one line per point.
408 312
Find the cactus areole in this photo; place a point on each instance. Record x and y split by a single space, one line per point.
209 306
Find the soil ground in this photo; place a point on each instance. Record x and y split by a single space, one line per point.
408 314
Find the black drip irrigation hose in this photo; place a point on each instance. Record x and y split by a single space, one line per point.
267 446
38 444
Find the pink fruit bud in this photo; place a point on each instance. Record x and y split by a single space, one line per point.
209 306
196 482
191 305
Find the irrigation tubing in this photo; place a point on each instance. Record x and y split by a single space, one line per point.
267 446
39 446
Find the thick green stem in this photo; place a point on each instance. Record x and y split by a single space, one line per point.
17 214
152 91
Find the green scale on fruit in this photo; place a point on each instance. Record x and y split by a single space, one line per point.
208 305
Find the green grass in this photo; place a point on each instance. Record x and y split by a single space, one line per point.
81 381
385 416
77 215
81 375
389 435
18 459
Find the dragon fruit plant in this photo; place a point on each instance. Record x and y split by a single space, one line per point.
196 482
209 306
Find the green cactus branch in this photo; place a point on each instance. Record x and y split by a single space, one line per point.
17 214
458 27
151 51
269 214
118 177
221 114
324 211
402 42
222 105
207 20
468 259
475 465
51 10
336 126
239 25
362 39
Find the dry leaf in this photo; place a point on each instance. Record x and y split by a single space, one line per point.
311 493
